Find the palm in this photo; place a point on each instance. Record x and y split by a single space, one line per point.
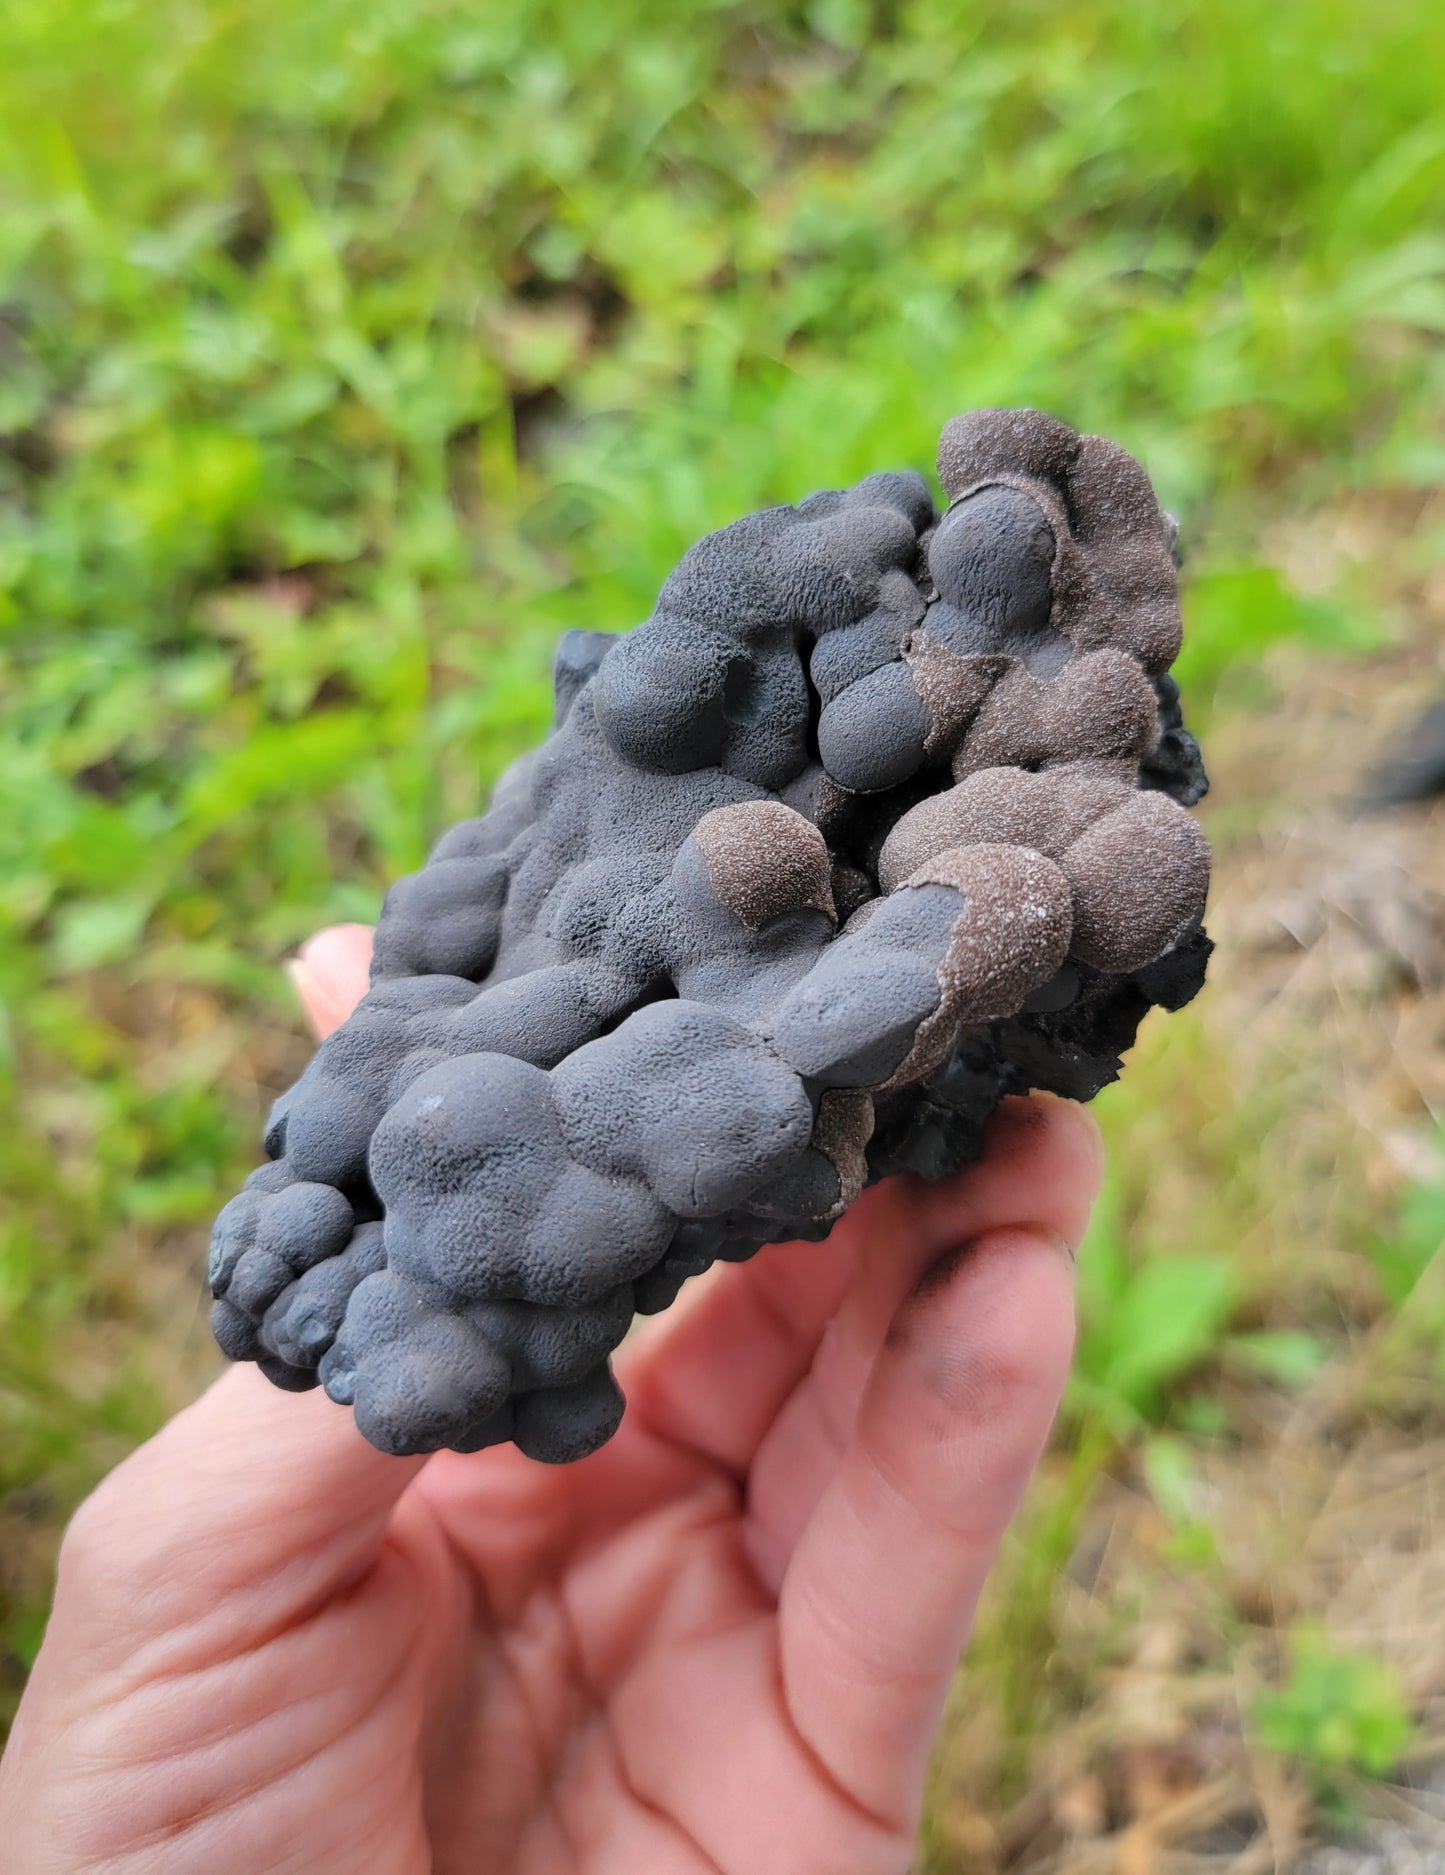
720 1643
626 1682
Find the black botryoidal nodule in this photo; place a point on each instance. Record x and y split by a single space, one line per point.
878 818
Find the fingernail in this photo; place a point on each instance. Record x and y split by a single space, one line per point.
943 1270
1069 1250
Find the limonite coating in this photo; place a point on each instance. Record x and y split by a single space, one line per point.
878 818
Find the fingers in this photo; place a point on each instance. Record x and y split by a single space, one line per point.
730 1376
880 1592
247 1510
331 973
712 1373
1042 1166
717 1371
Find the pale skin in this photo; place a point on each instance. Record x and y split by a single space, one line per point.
721 1644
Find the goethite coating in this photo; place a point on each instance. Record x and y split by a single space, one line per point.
878 818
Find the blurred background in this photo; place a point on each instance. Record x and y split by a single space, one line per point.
350 350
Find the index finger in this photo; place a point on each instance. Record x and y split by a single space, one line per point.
778 1349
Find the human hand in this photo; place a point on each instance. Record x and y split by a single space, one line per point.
721 1643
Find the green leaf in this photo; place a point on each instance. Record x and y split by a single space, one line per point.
1402 1256
90 932
1291 1357
1169 1317
1235 614
1335 1711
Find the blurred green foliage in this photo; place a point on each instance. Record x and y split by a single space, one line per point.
349 351
1406 1256
1335 1711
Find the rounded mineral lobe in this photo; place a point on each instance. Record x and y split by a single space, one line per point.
879 817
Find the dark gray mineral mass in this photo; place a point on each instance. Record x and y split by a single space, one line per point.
878 818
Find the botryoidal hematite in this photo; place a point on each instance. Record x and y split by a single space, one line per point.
878 818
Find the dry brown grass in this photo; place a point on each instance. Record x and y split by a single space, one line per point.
1102 1726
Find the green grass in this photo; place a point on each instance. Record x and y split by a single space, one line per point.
348 352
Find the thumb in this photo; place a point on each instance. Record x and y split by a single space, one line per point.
253 1501
249 1509
880 1593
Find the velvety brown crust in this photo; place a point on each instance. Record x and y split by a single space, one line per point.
1046 811
1139 878
841 1133
952 688
1010 937
1114 575
1100 706
764 859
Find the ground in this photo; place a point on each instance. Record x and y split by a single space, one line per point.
350 352
1279 1515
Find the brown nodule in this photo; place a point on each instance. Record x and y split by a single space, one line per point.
764 859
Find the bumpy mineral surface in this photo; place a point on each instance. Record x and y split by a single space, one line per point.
879 817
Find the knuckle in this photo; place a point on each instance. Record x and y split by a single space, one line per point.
99 1544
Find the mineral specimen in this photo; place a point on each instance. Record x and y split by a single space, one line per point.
879 817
